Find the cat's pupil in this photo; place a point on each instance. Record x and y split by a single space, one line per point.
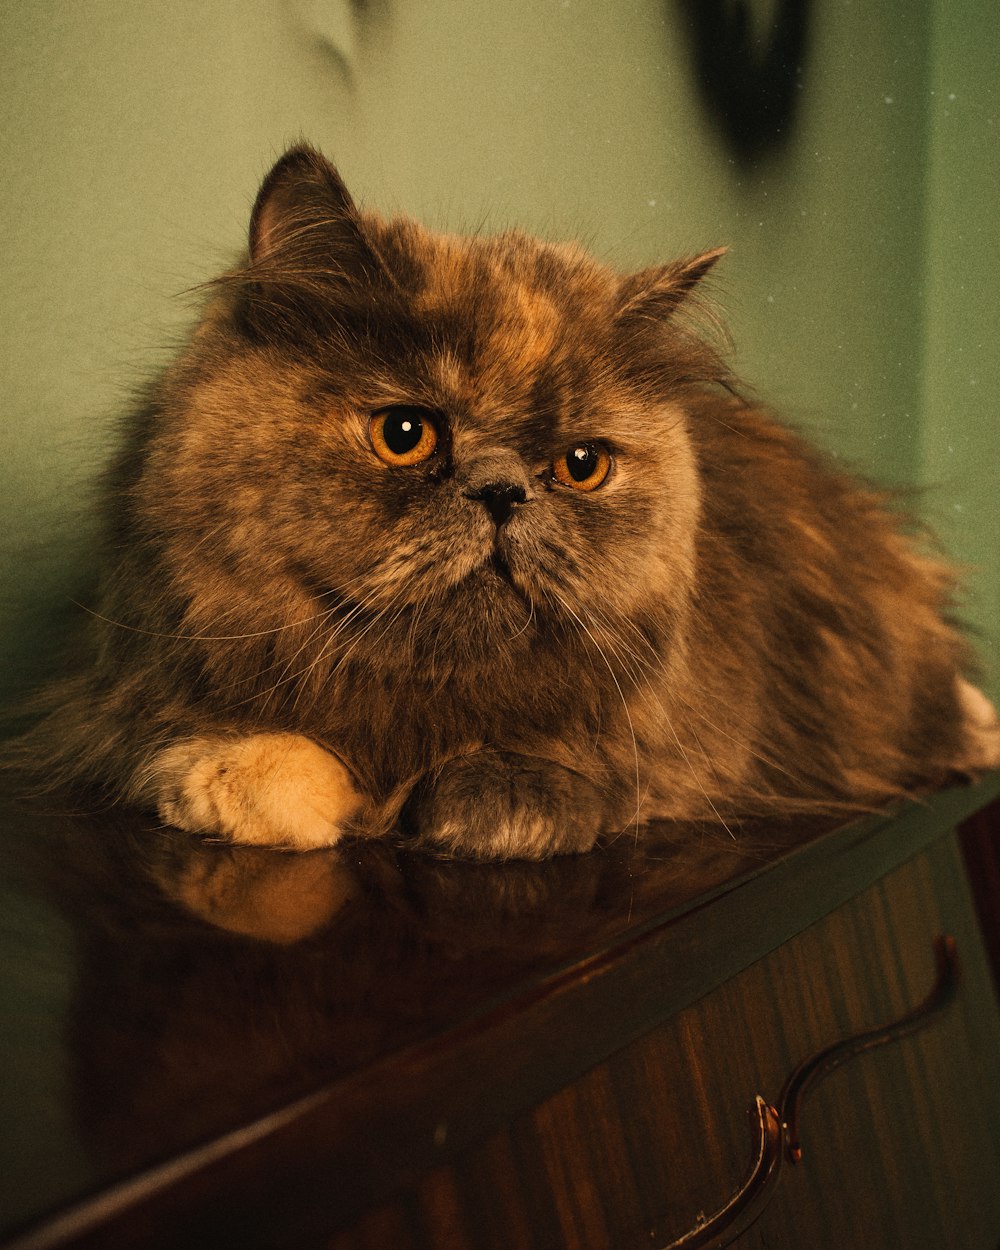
581 462
402 430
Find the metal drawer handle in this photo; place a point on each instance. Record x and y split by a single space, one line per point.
778 1129
811 1071
746 1204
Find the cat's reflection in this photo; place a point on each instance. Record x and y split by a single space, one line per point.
252 891
214 982
287 898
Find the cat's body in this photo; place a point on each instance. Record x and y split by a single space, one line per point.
472 534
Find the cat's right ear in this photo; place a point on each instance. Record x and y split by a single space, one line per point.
655 294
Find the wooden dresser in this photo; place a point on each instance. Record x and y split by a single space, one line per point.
785 1038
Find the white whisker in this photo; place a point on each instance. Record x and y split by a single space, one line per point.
153 633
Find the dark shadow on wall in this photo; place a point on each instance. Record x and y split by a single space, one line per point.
750 78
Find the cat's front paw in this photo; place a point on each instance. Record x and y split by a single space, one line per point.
500 805
266 789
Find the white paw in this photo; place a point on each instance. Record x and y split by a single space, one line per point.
267 789
982 727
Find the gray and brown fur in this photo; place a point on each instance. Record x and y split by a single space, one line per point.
294 640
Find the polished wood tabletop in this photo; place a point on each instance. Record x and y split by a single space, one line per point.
191 1028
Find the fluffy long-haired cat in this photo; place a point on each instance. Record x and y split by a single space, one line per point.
475 537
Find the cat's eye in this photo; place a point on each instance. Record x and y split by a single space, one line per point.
584 466
403 434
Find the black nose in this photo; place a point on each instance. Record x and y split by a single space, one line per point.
500 499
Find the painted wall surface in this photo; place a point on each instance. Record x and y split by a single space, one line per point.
960 465
133 136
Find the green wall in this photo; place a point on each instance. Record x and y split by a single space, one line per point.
960 431
133 135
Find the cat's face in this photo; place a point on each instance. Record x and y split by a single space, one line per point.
461 433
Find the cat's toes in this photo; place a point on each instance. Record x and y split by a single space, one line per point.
499 805
267 789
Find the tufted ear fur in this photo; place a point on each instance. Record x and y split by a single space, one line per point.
655 293
302 196
310 256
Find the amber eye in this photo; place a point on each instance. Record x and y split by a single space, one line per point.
585 466
403 435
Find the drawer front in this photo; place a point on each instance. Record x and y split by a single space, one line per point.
900 1143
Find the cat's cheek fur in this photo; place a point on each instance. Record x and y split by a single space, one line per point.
503 805
267 789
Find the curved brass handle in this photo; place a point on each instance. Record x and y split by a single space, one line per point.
746 1204
779 1129
812 1070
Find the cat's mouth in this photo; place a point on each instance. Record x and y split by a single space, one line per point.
495 577
498 565
496 570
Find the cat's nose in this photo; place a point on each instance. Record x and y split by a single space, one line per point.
500 499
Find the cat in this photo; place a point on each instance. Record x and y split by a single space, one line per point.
477 539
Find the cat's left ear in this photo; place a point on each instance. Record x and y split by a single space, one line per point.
311 257
304 217
657 292
302 189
